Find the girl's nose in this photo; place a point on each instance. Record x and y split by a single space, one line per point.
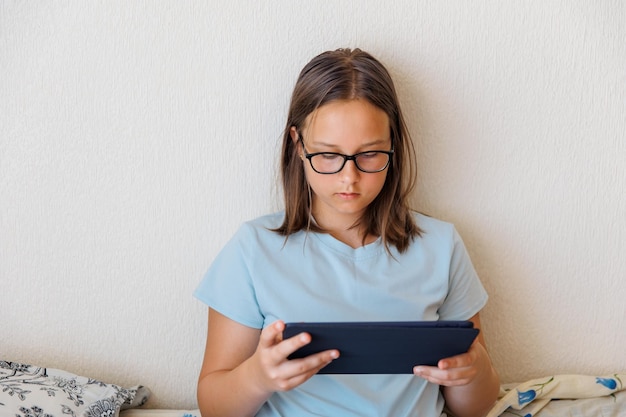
350 173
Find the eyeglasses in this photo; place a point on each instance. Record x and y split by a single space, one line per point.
333 162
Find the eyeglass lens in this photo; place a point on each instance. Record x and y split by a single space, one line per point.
367 162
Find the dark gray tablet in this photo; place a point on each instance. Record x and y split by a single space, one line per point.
384 347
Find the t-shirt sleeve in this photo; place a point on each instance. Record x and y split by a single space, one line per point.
228 287
466 294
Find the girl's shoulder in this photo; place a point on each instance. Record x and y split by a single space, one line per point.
268 221
430 224
436 232
261 228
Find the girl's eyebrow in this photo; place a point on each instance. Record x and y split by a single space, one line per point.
374 142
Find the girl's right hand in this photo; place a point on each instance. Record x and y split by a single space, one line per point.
273 371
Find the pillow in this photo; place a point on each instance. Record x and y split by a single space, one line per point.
31 391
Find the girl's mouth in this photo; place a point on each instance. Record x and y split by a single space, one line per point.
348 196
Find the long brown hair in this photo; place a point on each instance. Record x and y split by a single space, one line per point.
347 74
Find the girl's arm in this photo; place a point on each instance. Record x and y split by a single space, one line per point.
243 366
469 383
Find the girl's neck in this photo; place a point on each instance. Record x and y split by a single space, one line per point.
352 239
345 232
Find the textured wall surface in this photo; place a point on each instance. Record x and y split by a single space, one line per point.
136 136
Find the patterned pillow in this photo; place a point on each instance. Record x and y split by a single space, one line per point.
30 391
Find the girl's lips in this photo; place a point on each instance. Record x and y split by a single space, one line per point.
348 196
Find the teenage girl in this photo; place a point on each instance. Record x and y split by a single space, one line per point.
347 247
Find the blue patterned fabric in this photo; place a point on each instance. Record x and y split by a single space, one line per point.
530 398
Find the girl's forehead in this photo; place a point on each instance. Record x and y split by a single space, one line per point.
356 116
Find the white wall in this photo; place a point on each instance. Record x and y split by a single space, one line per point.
136 136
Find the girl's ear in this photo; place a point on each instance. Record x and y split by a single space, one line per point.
293 132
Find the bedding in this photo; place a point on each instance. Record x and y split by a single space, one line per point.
552 396
32 391
564 395
612 405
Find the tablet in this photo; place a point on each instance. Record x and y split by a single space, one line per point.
384 347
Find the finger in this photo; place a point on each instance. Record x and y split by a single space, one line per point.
455 370
272 334
451 377
296 371
312 364
454 362
290 345
459 361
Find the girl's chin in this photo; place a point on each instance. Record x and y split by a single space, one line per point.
350 212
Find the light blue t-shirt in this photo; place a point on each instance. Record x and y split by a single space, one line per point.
259 277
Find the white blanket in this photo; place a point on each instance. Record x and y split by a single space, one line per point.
564 395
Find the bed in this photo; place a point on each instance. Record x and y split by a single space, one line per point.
586 394
32 391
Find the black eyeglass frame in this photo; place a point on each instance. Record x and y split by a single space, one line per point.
346 158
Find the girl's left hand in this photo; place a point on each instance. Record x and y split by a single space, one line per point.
456 370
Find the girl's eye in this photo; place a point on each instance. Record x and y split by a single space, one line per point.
369 155
330 156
